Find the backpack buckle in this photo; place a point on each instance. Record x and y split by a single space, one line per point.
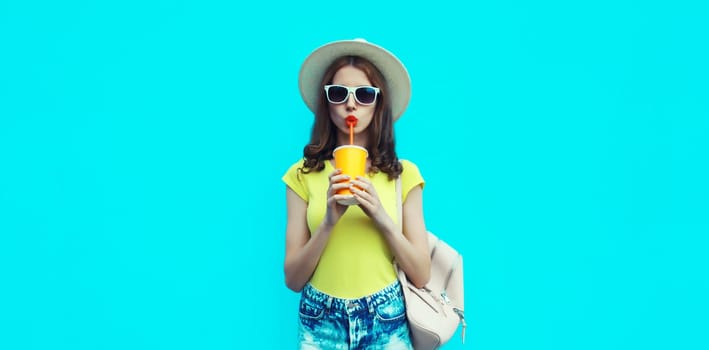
444 295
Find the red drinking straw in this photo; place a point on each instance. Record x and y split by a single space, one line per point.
351 122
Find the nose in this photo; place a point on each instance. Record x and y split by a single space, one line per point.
351 103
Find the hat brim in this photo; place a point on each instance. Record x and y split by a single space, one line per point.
395 74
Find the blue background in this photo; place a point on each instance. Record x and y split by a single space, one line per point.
564 146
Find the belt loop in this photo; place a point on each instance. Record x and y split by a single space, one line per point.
328 303
370 304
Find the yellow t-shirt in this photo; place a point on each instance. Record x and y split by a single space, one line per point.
356 261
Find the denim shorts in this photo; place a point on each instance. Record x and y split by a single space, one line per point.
377 321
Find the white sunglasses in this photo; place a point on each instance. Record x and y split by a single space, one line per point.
364 95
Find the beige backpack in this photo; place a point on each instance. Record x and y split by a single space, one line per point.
435 311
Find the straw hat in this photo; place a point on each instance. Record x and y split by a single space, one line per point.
395 74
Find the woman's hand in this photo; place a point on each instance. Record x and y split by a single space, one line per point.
335 210
368 200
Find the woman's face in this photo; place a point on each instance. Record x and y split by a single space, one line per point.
352 77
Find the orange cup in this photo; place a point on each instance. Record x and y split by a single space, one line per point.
353 161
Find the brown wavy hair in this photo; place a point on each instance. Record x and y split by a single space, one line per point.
381 145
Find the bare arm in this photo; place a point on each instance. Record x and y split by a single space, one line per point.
411 246
303 252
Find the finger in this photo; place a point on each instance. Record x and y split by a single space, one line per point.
332 200
339 178
366 187
332 191
334 173
361 184
363 179
363 195
341 196
338 197
339 186
363 202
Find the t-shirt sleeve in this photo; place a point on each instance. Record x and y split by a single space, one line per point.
294 179
410 178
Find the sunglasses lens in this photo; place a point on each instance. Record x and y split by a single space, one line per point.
365 95
337 94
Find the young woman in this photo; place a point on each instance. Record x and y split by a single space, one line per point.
340 257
